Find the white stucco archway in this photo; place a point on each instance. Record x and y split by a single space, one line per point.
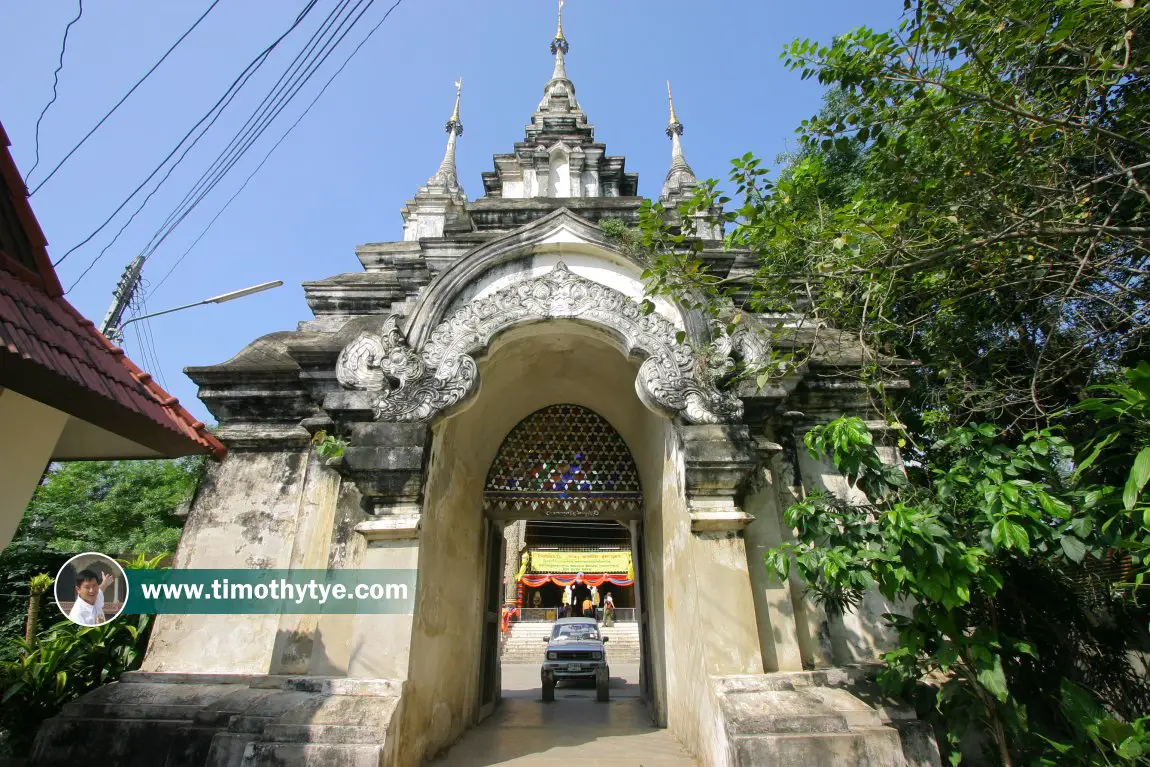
525 369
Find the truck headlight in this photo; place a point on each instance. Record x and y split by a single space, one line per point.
597 655
552 656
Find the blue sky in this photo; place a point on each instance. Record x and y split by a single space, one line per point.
341 177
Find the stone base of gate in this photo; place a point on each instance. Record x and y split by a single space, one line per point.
832 718
226 720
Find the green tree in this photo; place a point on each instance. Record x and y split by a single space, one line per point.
36 588
973 197
1001 547
37 678
114 507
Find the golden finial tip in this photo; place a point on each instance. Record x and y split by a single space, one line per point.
454 122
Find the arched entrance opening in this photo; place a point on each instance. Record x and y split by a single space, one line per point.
557 551
566 487
462 560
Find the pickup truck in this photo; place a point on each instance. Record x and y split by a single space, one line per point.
575 651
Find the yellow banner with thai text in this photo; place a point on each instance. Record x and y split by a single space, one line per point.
580 561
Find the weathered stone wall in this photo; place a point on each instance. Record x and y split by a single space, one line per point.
331 645
441 694
310 550
525 371
692 714
257 509
775 607
862 634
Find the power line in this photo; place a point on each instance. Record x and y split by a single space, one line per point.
150 194
152 345
297 85
275 146
148 354
55 83
236 84
265 114
258 121
144 360
173 167
123 98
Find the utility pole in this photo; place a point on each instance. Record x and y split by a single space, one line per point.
122 299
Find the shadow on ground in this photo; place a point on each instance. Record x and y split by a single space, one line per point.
574 729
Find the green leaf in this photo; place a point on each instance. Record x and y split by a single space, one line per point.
1139 476
12 690
1078 705
998 535
1026 649
994 679
1115 731
1019 538
1074 548
1130 748
1010 536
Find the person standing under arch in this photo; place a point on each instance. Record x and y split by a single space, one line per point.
580 597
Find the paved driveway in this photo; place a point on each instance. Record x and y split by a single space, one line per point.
575 730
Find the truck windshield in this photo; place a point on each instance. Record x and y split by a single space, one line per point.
575 632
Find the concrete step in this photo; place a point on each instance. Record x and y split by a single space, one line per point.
803 719
785 713
308 722
322 733
310 755
525 643
877 748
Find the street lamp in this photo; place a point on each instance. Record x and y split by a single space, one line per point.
116 334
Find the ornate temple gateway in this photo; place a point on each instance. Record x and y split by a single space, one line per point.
494 368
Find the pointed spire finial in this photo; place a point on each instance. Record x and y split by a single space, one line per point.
673 126
680 176
454 125
446 176
560 42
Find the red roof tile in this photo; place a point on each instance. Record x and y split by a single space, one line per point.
41 334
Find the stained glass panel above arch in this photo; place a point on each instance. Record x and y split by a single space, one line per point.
563 461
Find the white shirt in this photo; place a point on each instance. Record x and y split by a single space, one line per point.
86 614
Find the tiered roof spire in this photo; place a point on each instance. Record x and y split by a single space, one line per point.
560 86
680 177
560 42
441 200
447 177
559 156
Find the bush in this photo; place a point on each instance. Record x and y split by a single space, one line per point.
1023 559
64 662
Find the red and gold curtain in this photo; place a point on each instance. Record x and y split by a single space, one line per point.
536 580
